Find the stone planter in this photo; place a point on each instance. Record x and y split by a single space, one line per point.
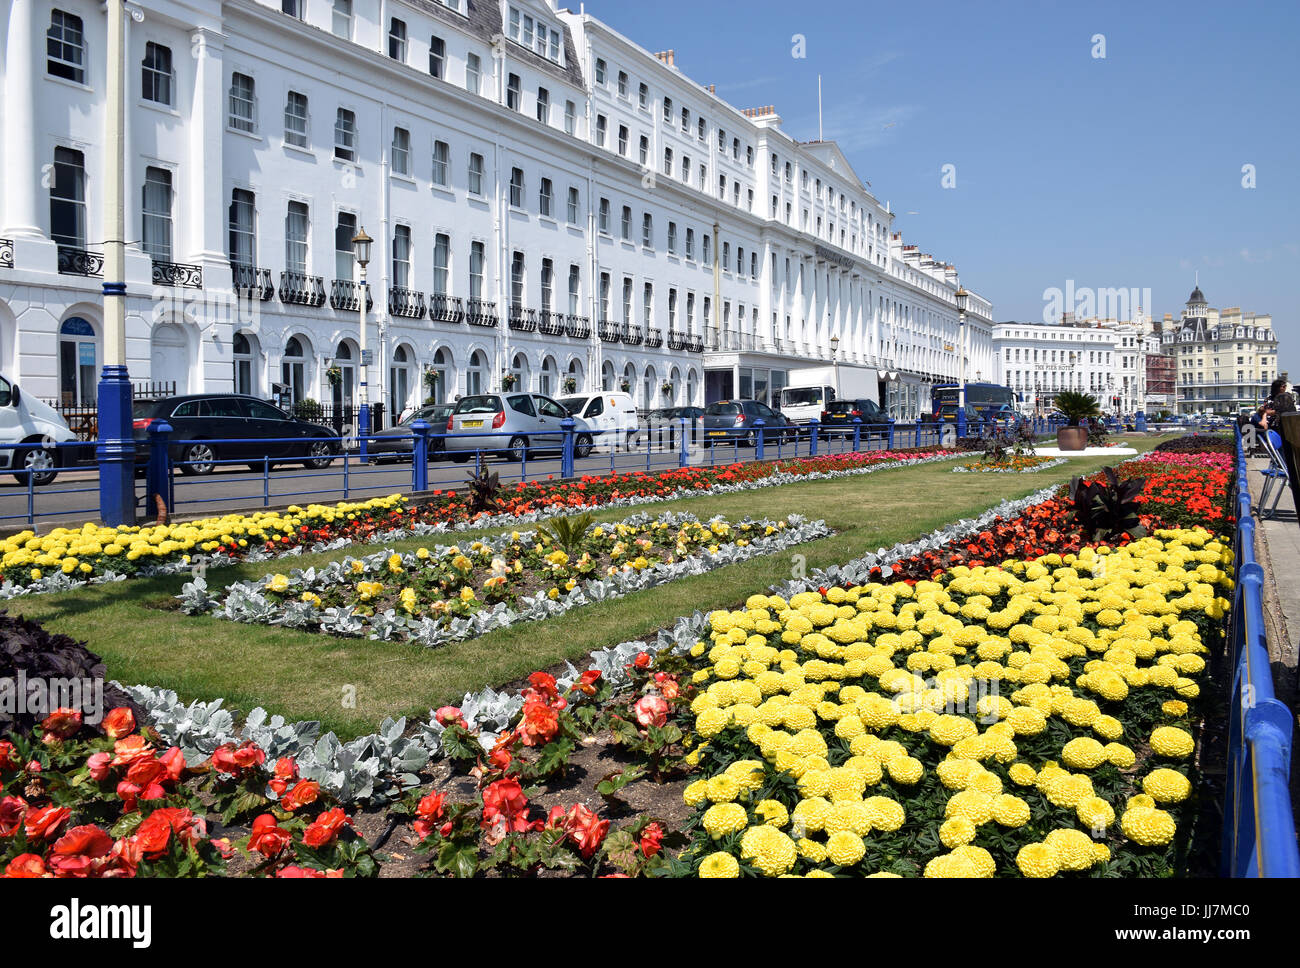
1072 438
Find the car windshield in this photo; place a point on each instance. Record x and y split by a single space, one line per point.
721 409
143 408
808 396
841 406
572 404
485 404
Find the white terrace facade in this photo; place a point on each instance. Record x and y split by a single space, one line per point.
549 201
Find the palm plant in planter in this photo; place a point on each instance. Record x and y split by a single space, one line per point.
1075 407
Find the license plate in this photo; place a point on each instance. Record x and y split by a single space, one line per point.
471 423
717 433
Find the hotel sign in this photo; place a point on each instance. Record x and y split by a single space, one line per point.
843 261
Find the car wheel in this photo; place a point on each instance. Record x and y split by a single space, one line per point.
198 458
518 449
460 458
751 439
582 446
320 454
39 464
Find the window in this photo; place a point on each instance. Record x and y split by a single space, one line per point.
241 220
343 19
573 206
627 300
517 187
600 67
473 71
672 237
476 270
570 117
749 155
645 149
548 284
702 132
441 153
295 120
68 198
441 258
156 74
690 243
243 102
512 93
402 256
475 174
604 297
686 120
643 97
545 198
648 230
575 289
295 237
708 241
243 354
722 141
401 151
397 40
543 105
753 265
65 47
622 140
726 256
437 57
601 126
668 110
625 224
603 221
344 232
668 161
622 83
345 135
156 212
292 7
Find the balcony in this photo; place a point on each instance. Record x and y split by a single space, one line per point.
523 320
446 309
695 344
80 262
300 289
251 282
481 312
6 254
725 341
631 334
654 337
549 323
608 332
343 296
577 327
177 275
406 303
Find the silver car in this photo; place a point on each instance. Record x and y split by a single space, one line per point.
511 424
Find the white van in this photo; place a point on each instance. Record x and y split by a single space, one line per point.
611 415
26 420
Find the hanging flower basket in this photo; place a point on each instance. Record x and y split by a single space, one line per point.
508 381
625 386
570 384
431 378
667 388
334 375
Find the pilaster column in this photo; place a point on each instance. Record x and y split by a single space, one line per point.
24 142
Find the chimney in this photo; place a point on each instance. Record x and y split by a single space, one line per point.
667 57
713 89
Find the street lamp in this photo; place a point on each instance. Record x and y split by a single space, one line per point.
835 364
361 247
961 296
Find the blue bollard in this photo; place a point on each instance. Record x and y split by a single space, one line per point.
813 425
760 426
363 431
683 455
1140 425
918 431
420 456
891 433
857 434
115 450
159 473
566 459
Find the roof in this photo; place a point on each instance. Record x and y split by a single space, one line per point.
483 20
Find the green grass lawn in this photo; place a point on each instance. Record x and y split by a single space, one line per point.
307 676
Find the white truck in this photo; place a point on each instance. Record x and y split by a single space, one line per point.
812 388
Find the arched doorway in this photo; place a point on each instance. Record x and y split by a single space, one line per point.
607 376
444 366
169 356
550 379
343 384
649 389
573 382
401 381
691 400
476 377
676 380
78 362
248 358
628 383
293 368
519 370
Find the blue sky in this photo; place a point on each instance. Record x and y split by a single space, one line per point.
1115 172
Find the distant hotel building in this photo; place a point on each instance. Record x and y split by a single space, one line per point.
548 200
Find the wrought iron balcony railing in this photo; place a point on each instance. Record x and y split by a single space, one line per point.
577 327
80 262
300 289
343 296
695 344
251 282
631 334
654 337
549 323
177 274
608 332
446 309
523 320
6 254
481 312
677 341
406 303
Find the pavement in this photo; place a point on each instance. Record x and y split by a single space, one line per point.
1277 548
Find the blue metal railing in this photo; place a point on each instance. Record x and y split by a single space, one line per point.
1259 838
59 457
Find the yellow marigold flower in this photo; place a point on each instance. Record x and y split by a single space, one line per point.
696 793
724 818
906 770
811 850
1022 774
1166 786
719 864
1037 860
1100 853
956 831
1172 742
845 848
884 814
1120 755
1073 848
1083 753
722 789
810 814
710 722
1148 826
1010 811
773 812
768 849
1174 707
979 858
951 865
1095 812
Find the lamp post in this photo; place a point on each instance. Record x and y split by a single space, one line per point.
361 247
116 448
835 364
961 297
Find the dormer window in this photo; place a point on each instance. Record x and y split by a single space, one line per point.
542 38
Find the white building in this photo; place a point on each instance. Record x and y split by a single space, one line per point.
548 200
1039 360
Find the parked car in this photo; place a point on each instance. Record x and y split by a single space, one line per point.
732 419
26 420
611 415
212 427
839 415
665 414
397 443
511 424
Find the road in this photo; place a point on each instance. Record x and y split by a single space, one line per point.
73 498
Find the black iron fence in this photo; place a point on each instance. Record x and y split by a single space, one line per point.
83 418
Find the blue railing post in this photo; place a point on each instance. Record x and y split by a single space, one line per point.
363 432
760 427
891 433
1140 425
420 456
813 426
159 472
683 455
566 459
918 432
857 434
115 450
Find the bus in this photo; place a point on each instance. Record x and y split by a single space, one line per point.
988 400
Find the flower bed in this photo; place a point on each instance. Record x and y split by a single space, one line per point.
1185 489
1026 720
444 594
1197 444
1012 464
65 557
